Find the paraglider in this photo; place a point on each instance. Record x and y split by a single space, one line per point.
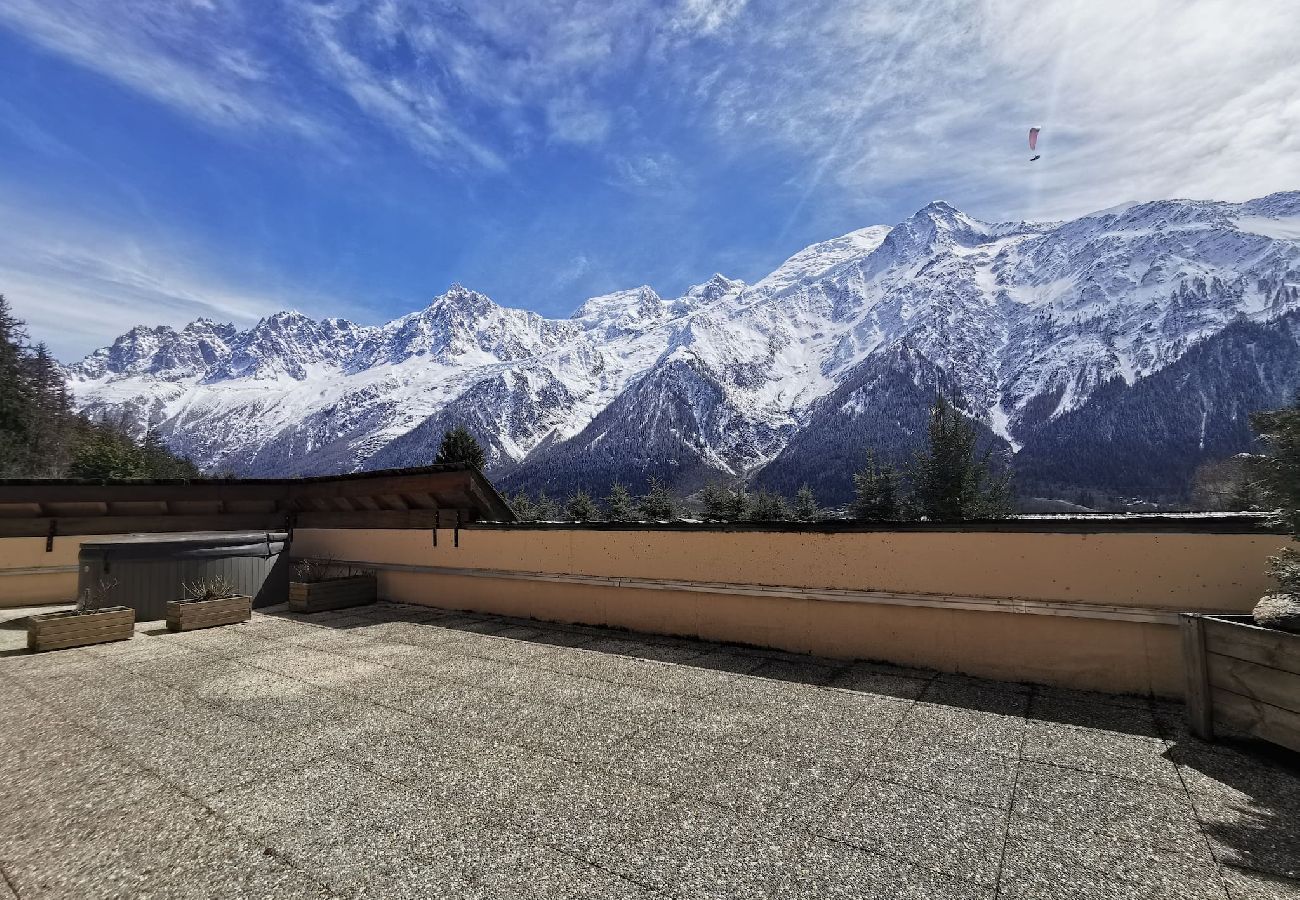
1033 142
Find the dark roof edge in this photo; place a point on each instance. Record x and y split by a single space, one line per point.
1181 524
304 479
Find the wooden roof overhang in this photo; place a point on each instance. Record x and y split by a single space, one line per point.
426 497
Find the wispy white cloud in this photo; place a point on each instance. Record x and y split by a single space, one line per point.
195 57
1160 98
1191 97
79 285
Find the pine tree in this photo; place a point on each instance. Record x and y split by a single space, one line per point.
713 500
877 494
805 505
618 505
459 446
16 395
657 504
1279 477
1279 469
547 510
159 462
770 507
951 480
581 508
725 504
106 453
525 509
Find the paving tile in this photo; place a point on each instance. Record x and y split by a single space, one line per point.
328 790
1130 810
1244 884
356 859
681 679
939 833
562 638
816 736
1254 836
747 689
832 870
567 733
665 756
786 790
1138 721
226 640
510 645
926 724
871 680
693 850
729 723
812 671
950 768
162 846
1044 861
517 869
333 670
977 696
661 651
1106 752
1248 801
721 660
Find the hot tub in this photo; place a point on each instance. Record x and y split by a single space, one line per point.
150 569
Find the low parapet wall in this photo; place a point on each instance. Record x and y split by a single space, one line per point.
30 575
1080 606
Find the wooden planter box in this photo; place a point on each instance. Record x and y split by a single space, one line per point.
1242 676
58 630
186 615
334 593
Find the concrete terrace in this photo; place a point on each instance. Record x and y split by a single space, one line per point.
399 751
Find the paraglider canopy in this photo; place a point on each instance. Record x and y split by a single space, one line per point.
1033 141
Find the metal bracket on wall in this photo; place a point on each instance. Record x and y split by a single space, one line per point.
436 514
49 536
455 542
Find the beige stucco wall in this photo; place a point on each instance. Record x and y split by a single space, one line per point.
1153 571
46 587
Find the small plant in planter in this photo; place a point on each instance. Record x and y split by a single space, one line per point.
207 603
91 621
322 584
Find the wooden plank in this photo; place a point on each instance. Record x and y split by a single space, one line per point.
57 632
1200 717
54 492
1265 646
182 616
131 524
335 594
1257 718
1264 683
384 518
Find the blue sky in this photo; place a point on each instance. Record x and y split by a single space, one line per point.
165 160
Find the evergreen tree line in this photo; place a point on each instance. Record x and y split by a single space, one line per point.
42 436
950 480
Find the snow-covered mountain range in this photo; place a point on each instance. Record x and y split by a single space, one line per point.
1112 352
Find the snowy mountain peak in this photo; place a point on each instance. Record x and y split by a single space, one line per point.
818 259
843 344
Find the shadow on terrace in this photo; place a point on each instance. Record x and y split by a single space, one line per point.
1085 751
